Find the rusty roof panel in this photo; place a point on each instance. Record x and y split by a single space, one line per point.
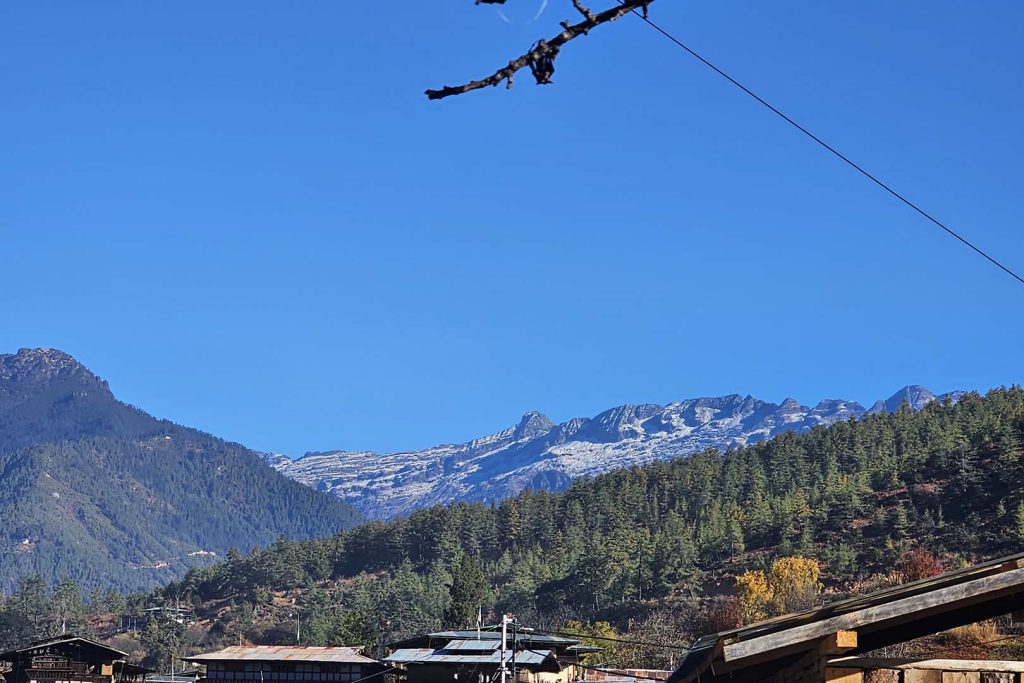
284 653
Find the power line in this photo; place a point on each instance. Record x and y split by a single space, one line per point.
828 147
625 641
587 667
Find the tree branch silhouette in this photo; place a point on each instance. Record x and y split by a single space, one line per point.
541 57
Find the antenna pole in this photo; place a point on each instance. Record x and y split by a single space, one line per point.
504 644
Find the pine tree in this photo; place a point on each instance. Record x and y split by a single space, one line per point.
67 609
467 592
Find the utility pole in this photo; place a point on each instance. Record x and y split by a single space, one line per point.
504 644
515 644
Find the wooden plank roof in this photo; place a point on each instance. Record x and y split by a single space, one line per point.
65 642
881 618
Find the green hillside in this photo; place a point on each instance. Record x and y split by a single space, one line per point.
648 548
649 553
98 491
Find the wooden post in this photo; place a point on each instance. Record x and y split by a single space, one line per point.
840 675
922 676
961 677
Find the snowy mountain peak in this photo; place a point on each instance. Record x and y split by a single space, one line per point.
914 395
537 453
533 424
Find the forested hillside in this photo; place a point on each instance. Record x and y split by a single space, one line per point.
536 453
650 550
101 492
645 548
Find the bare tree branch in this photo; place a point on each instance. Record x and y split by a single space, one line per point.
587 14
541 56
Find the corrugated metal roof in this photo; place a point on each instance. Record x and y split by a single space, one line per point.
477 645
279 653
431 656
172 678
492 635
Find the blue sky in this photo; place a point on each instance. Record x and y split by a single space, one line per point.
248 218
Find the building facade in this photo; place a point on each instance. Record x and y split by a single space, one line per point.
286 664
478 657
69 659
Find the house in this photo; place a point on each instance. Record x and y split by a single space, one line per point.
608 675
69 659
834 643
277 664
478 656
173 677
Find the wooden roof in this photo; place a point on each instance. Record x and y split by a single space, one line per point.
882 618
80 645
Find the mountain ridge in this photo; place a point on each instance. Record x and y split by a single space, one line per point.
102 492
538 453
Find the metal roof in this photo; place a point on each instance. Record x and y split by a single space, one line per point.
491 635
442 656
486 634
287 653
475 645
179 677
885 617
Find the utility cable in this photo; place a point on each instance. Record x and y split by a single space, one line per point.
978 250
625 641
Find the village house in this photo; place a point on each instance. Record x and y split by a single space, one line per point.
69 659
280 664
478 656
838 643
613 675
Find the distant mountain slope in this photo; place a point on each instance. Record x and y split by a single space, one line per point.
100 491
537 453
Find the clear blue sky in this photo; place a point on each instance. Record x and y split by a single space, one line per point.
247 217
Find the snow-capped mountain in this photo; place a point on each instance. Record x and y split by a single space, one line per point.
537 453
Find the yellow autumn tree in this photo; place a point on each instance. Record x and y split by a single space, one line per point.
596 634
755 594
792 583
795 584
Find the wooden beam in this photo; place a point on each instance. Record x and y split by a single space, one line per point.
838 643
935 601
918 664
